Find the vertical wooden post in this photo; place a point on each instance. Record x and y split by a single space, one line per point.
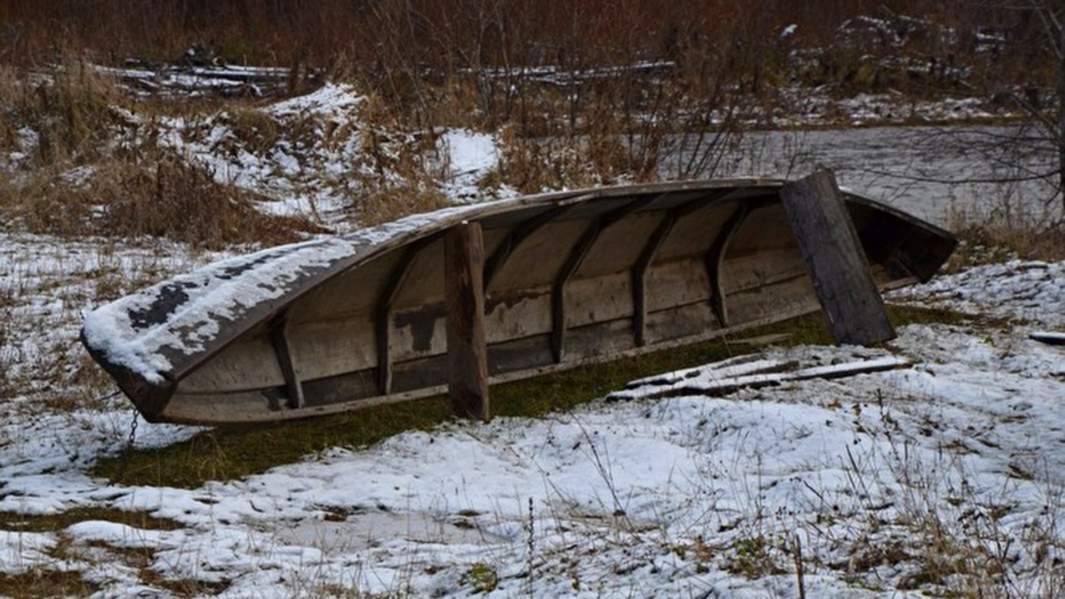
283 352
829 243
467 357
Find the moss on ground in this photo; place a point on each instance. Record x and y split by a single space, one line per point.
233 452
480 578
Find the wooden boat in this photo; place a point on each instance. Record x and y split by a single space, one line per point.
572 277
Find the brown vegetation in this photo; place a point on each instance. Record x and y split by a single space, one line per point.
165 197
581 93
73 114
58 521
454 34
45 583
992 242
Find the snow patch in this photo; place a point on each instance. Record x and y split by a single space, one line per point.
1026 290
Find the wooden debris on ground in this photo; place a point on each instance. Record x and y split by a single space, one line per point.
1048 337
749 372
193 79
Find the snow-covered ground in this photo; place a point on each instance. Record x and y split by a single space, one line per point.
917 479
1022 290
313 155
947 474
46 286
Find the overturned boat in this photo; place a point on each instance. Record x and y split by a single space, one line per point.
573 277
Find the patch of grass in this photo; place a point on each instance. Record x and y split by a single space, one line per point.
995 242
140 558
481 578
752 559
697 551
867 557
184 587
904 315
45 583
53 522
233 452
385 202
73 115
164 197
256 129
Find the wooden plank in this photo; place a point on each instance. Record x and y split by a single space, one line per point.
639 277
715 257
829 243
383 313
467 356
558 290
514 239
708 383
647 257
247 406
573 263
283 352
1048 337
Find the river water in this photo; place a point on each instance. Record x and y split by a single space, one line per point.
943 175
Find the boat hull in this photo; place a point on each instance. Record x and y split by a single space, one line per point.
571 278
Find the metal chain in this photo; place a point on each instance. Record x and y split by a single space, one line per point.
132 431
129 446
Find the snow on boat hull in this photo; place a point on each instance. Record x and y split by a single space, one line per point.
571 277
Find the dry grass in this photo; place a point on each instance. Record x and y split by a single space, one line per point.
944 537
399 171
61 520
164 198
37 583
532 165
388 203
183 587
257 130
72 110
94 171
1025 242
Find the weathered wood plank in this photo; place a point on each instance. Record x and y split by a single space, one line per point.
829 243
639 277
339 391
467 356
514 239
283 352
1048 337
715 257
558 290
383 314
647 257
708 382
573 263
